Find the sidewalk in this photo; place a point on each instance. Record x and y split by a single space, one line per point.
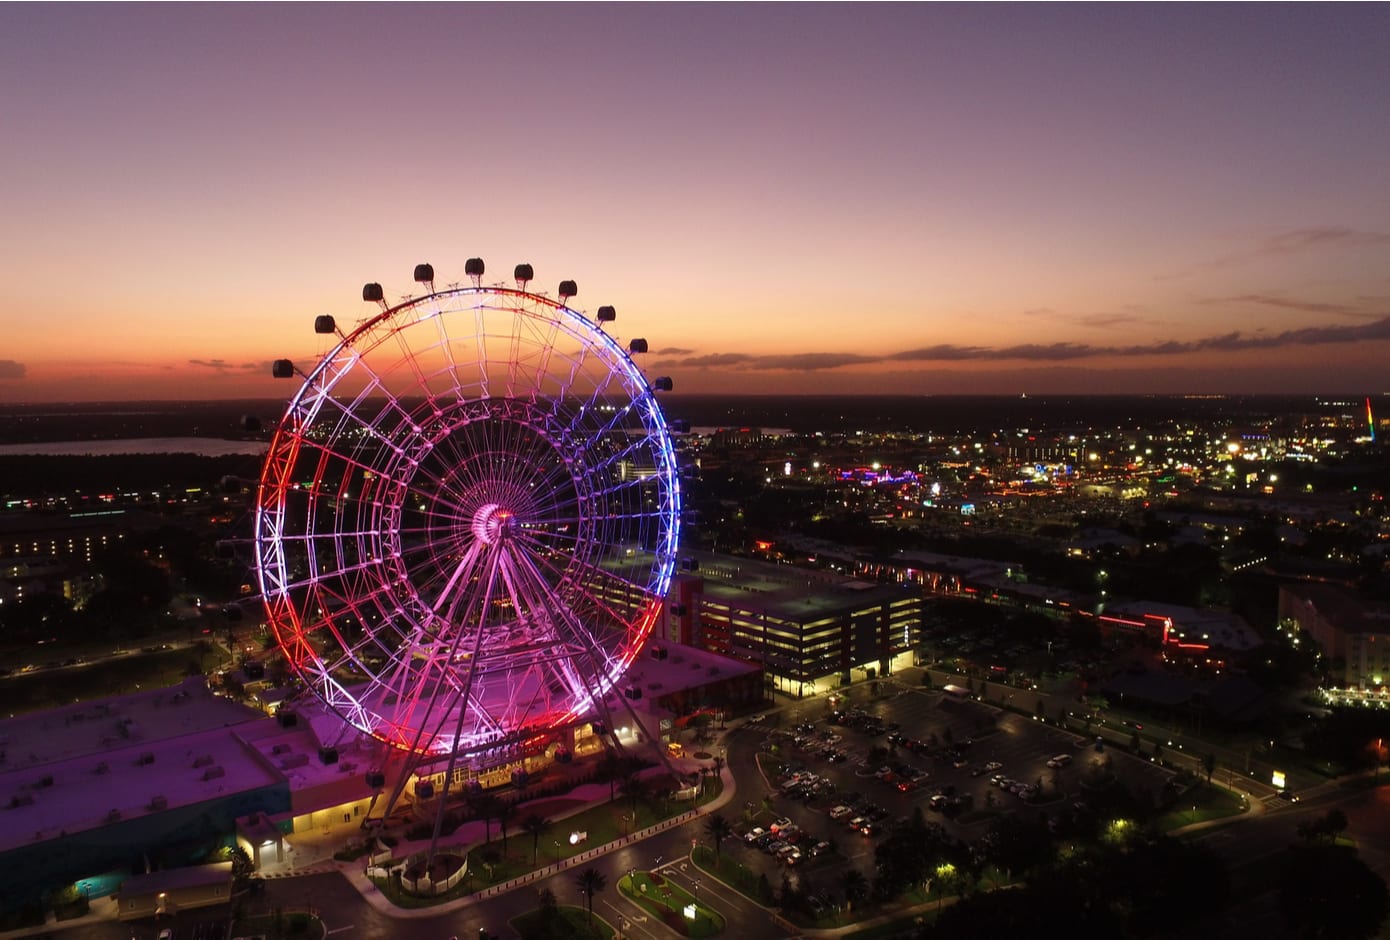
99 910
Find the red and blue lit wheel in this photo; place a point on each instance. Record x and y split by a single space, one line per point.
467 519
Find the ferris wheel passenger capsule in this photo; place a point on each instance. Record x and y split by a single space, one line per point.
567 290
324 323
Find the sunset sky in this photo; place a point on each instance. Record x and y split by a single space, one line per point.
780 198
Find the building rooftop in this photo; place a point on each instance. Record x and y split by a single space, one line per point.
1342 608
793 594
90 764
101 726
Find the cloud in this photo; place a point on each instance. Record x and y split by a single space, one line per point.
222 365
1106 320
716 360
1378 329
1282 303
674 351
9 369
1304 238
1300 240
1096 320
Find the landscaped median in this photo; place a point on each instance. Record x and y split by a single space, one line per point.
674 906
561 923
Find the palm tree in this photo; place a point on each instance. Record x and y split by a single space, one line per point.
718 829
1209 765
590 882
608 766
506 812
718 766
632 788
856 887
486 807
535 826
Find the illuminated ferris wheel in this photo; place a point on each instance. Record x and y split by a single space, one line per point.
467 518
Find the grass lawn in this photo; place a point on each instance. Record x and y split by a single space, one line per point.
297 926
667 902
733 873
893 928
564 923
490 864
1200 804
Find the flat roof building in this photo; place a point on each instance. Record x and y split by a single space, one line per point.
808 630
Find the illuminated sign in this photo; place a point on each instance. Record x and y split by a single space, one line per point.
1277 778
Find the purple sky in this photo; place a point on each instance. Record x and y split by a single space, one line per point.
926 198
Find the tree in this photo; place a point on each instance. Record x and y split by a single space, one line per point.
632 788
535 827
242 866
1209 765
1326 891
1329 826
718 829
718 766
590 882
609 767
486 807
855 886
547 904
506 812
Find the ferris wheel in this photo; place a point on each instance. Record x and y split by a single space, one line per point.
467 518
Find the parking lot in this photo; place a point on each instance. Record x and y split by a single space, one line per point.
843 769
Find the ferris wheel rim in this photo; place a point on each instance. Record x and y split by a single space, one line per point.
289 438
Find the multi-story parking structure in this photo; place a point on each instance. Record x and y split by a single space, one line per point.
809 630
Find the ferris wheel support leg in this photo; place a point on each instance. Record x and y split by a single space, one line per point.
407 767
653 741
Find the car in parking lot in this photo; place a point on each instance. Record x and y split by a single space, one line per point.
754 834
840 811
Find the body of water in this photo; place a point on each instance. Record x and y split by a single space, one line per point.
198 446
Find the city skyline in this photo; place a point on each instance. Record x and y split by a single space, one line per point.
782 199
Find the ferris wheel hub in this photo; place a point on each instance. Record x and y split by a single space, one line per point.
493 523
